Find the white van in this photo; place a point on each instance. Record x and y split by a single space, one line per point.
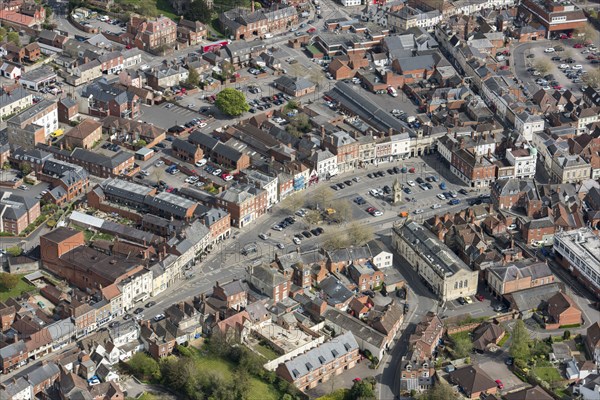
268 35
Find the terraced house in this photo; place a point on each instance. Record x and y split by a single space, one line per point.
245 24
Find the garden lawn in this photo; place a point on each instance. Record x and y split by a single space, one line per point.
165 8
259 390
266 352
339 394
548 374
16 291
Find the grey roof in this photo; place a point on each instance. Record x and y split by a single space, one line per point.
234 287
61 329
529 299
184 145
30 112
125 190
521 269
418 62
359 329
271 277
39 74
322 355
213 215
294 83
366 109
101 159
66 172
13 349
203 139
42 373
170 203
13 96
14 205
430 247
335 291
14 387
102 91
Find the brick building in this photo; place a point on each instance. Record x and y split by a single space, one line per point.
84 135
17 212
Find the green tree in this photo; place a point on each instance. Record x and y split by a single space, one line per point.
361 390
543 65
13 37
359 234
567 335
293 202
343 211
193 78
51 223
199 11
8 281
140 143
520 341
231 102
6 166
300 123
592 78
334 239
462 346
587 33
144 367
14 251
26 169
313 217
257 5
2 33
440 391
322 196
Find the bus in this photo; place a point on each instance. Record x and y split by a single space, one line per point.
214 46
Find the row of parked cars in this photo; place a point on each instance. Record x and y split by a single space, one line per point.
342 185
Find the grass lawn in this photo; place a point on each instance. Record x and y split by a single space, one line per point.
164 7
460 335
21 286
548 374
504 339
266 352
339 394
259 390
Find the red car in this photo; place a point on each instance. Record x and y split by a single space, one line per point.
500 384
563 36
311 30
370 209
591 57
504 67
577 46
479 297
556 87
412 170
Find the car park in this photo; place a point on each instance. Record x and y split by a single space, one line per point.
549 50
410 183
454 202
138 310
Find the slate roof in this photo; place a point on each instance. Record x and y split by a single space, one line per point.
170 203
184 145
103 92
324 354
294 84
14 96
335 291
360 330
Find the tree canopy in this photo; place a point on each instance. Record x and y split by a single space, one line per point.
519 346
231 102
199 11
8 281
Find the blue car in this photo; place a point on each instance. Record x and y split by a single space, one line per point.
454 202
443 185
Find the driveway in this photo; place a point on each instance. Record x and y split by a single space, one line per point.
493 365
